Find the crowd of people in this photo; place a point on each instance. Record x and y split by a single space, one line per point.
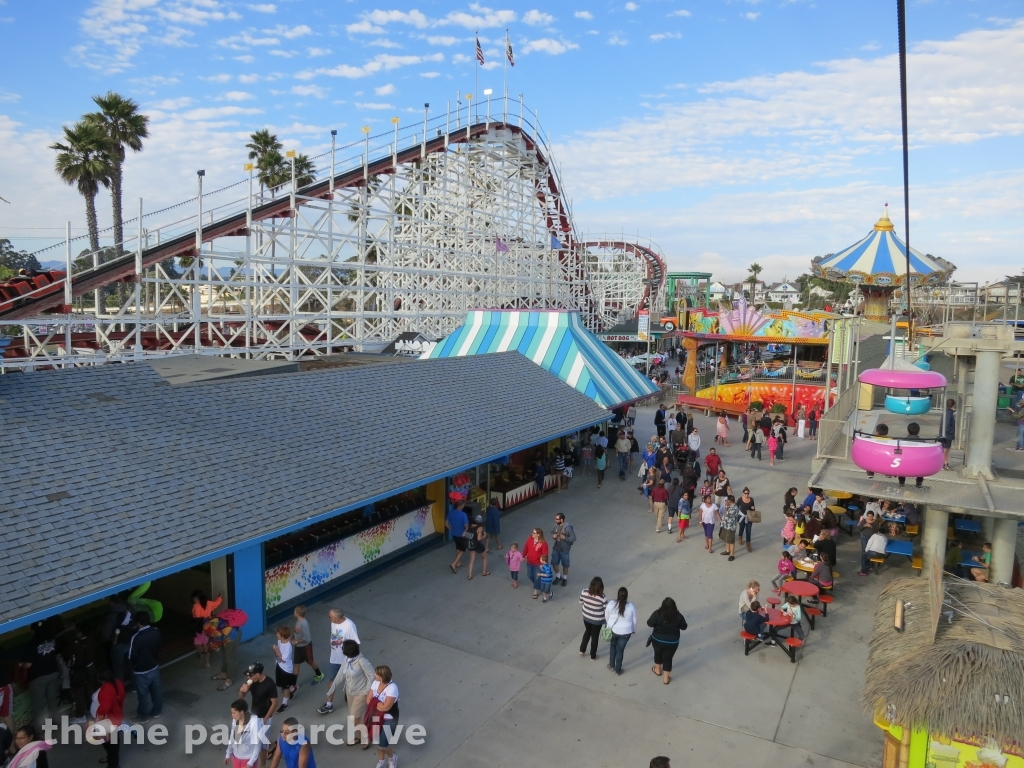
96 671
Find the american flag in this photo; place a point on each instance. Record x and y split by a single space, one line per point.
479 51
508 50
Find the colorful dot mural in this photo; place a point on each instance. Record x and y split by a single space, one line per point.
291 579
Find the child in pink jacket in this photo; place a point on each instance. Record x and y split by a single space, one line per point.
514 558
786 569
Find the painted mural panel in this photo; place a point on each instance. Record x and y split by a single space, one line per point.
741 322
742 393
291 579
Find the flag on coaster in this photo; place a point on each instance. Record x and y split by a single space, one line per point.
508 50
555 244
500 246
479 51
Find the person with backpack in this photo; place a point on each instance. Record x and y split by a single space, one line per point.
563 536
756 441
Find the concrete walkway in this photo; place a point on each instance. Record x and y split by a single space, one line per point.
496 679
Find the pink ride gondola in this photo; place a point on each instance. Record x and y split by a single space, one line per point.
898 457
891 378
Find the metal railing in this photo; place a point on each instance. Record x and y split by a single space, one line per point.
835 428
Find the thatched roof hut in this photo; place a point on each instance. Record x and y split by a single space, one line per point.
969 682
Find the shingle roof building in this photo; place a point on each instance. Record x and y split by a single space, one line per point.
110 474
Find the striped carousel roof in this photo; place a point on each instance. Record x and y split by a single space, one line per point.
557 342
881 258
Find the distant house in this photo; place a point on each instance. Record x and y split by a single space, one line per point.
1002 293
740 289
784 292
719 291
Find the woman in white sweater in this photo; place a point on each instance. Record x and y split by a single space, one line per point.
620 616
244 740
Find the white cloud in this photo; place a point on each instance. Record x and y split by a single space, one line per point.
155 81
246 39
383 42
364 27
583 15
245 58
373 22
373 105
631 6
315 52
430 75
481 18
658 36
8 96
384 90
221 78
196 12
547 45
283 30
443 40
249 79
283 54
309 90
212 113
172 105
616 40
460 58
382 62
263 8
236 96
872 46
751 15
681 12
538 19
810 125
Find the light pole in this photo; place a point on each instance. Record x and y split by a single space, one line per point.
334 136
366 151
394 155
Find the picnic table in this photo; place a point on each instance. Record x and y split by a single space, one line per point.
839 495
968 560
962 524
804 589
804 564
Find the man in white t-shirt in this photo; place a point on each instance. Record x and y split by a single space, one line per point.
342 629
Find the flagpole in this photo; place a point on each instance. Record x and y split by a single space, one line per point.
476 69
504 69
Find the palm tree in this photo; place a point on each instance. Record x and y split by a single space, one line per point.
305 171
126 127
265 152
84 161
755 270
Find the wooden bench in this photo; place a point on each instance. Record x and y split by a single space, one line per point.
707 405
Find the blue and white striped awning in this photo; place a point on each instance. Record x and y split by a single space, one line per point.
556 341
881 259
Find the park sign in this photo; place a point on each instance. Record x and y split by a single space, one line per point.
643 325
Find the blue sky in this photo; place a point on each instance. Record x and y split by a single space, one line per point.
728 132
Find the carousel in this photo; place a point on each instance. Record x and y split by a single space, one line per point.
878 266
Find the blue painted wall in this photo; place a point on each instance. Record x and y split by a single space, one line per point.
249 589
